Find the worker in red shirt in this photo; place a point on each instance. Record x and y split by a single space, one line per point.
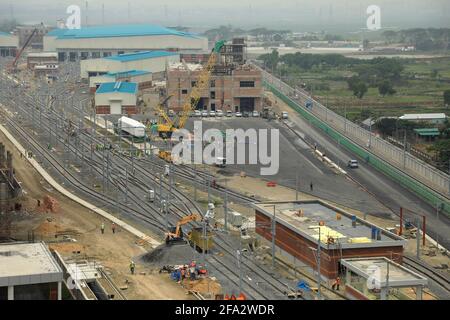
336 284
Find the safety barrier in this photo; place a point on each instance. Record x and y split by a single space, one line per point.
426 193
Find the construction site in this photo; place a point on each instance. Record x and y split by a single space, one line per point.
95 205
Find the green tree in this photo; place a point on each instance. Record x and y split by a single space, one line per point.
270 59
358 86
386 126
385 88
442 150
447 97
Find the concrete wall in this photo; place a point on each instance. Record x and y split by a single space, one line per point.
155 65
103 99
158 42
9 41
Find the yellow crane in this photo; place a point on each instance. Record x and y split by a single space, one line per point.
166 126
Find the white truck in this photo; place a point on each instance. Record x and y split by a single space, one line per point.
132 127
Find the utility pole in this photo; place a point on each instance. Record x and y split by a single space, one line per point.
238 254
274 225
195 182
318 267
296 186
225 207
404 149
418 238
209 191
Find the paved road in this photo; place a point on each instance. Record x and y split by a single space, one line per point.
385 190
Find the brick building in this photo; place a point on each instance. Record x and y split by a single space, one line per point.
236 89
116 98
300 225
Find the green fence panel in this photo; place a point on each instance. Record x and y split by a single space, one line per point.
430 196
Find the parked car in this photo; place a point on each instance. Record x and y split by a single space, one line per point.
204 113
353 164
197 113
284 115
238 114
229 113
212 113
255 113
219 113
245 114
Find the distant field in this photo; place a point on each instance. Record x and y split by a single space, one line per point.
417 92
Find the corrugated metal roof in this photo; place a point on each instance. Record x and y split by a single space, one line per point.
141 55
430 132
122 87
129 73
423 116
118 31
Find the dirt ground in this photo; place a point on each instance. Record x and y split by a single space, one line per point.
71 220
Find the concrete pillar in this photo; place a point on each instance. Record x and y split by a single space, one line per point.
11 293
383 294
59 290
419 293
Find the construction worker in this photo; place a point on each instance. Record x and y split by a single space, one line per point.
113 227
132 267
336 284
311 186
102 228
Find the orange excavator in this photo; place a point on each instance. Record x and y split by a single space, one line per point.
175 234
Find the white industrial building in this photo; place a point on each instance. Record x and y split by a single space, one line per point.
28 271
436 118
150 61
141 77
8 44
104 41
116 98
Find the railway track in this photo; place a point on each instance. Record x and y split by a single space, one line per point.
434 275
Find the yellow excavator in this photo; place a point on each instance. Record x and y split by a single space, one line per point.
166 126
175 234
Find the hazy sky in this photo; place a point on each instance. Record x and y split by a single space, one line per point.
297 15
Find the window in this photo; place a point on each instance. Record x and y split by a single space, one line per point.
193 84
121 52
213 94
212 83
184 91
95 55
247 84
106 54
84 55
213 107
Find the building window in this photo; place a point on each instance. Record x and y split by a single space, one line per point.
247 84
184 91
106 54
213 83
73 56
213 107
213 95
95 55
193 84
84 55
121 52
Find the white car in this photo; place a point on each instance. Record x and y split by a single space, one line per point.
229 113
219 113
212 113
238 114
205 113
353 164
197 113
284 115
255 113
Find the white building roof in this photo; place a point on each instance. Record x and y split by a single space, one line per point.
43 55
423 116
27 263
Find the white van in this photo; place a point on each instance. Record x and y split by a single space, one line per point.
284 115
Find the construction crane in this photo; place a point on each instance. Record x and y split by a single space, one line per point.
175 234
166 126
12 68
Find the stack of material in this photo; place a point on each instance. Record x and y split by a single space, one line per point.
204 286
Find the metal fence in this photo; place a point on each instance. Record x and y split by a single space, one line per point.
400 158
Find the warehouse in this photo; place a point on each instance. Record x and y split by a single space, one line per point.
301 226
8 44
104 41
150 61
141 77
116 98
28 271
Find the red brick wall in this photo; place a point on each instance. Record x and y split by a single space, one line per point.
129 110
300 247
355 293
103 110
